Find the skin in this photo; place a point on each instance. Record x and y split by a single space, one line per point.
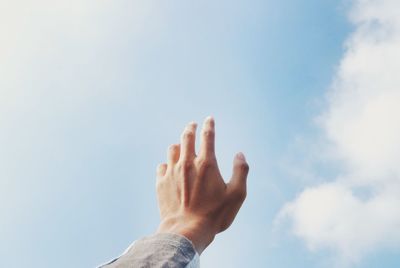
193 199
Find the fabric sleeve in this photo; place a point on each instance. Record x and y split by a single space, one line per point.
158 251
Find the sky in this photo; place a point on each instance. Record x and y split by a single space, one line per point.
93 92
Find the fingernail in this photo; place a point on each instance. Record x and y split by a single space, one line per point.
241 156
191 125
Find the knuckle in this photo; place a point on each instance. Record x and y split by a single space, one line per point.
240 194
160 170
244 167
188 135
225 225
206 163
185 166
173 147
208 133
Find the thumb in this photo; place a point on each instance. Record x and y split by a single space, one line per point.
237 184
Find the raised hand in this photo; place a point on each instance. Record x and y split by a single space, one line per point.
193 199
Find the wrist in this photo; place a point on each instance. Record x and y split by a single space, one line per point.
200 233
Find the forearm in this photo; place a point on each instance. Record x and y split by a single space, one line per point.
159 250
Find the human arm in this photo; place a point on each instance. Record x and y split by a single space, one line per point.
194 201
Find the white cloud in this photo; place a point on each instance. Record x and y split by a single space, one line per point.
362 125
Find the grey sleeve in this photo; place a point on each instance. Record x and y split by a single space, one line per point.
158 251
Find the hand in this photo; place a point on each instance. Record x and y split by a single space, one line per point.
193 199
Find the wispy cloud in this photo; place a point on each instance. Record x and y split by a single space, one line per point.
358 212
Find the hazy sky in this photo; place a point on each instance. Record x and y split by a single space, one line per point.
93 92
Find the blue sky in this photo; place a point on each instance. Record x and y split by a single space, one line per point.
93 92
